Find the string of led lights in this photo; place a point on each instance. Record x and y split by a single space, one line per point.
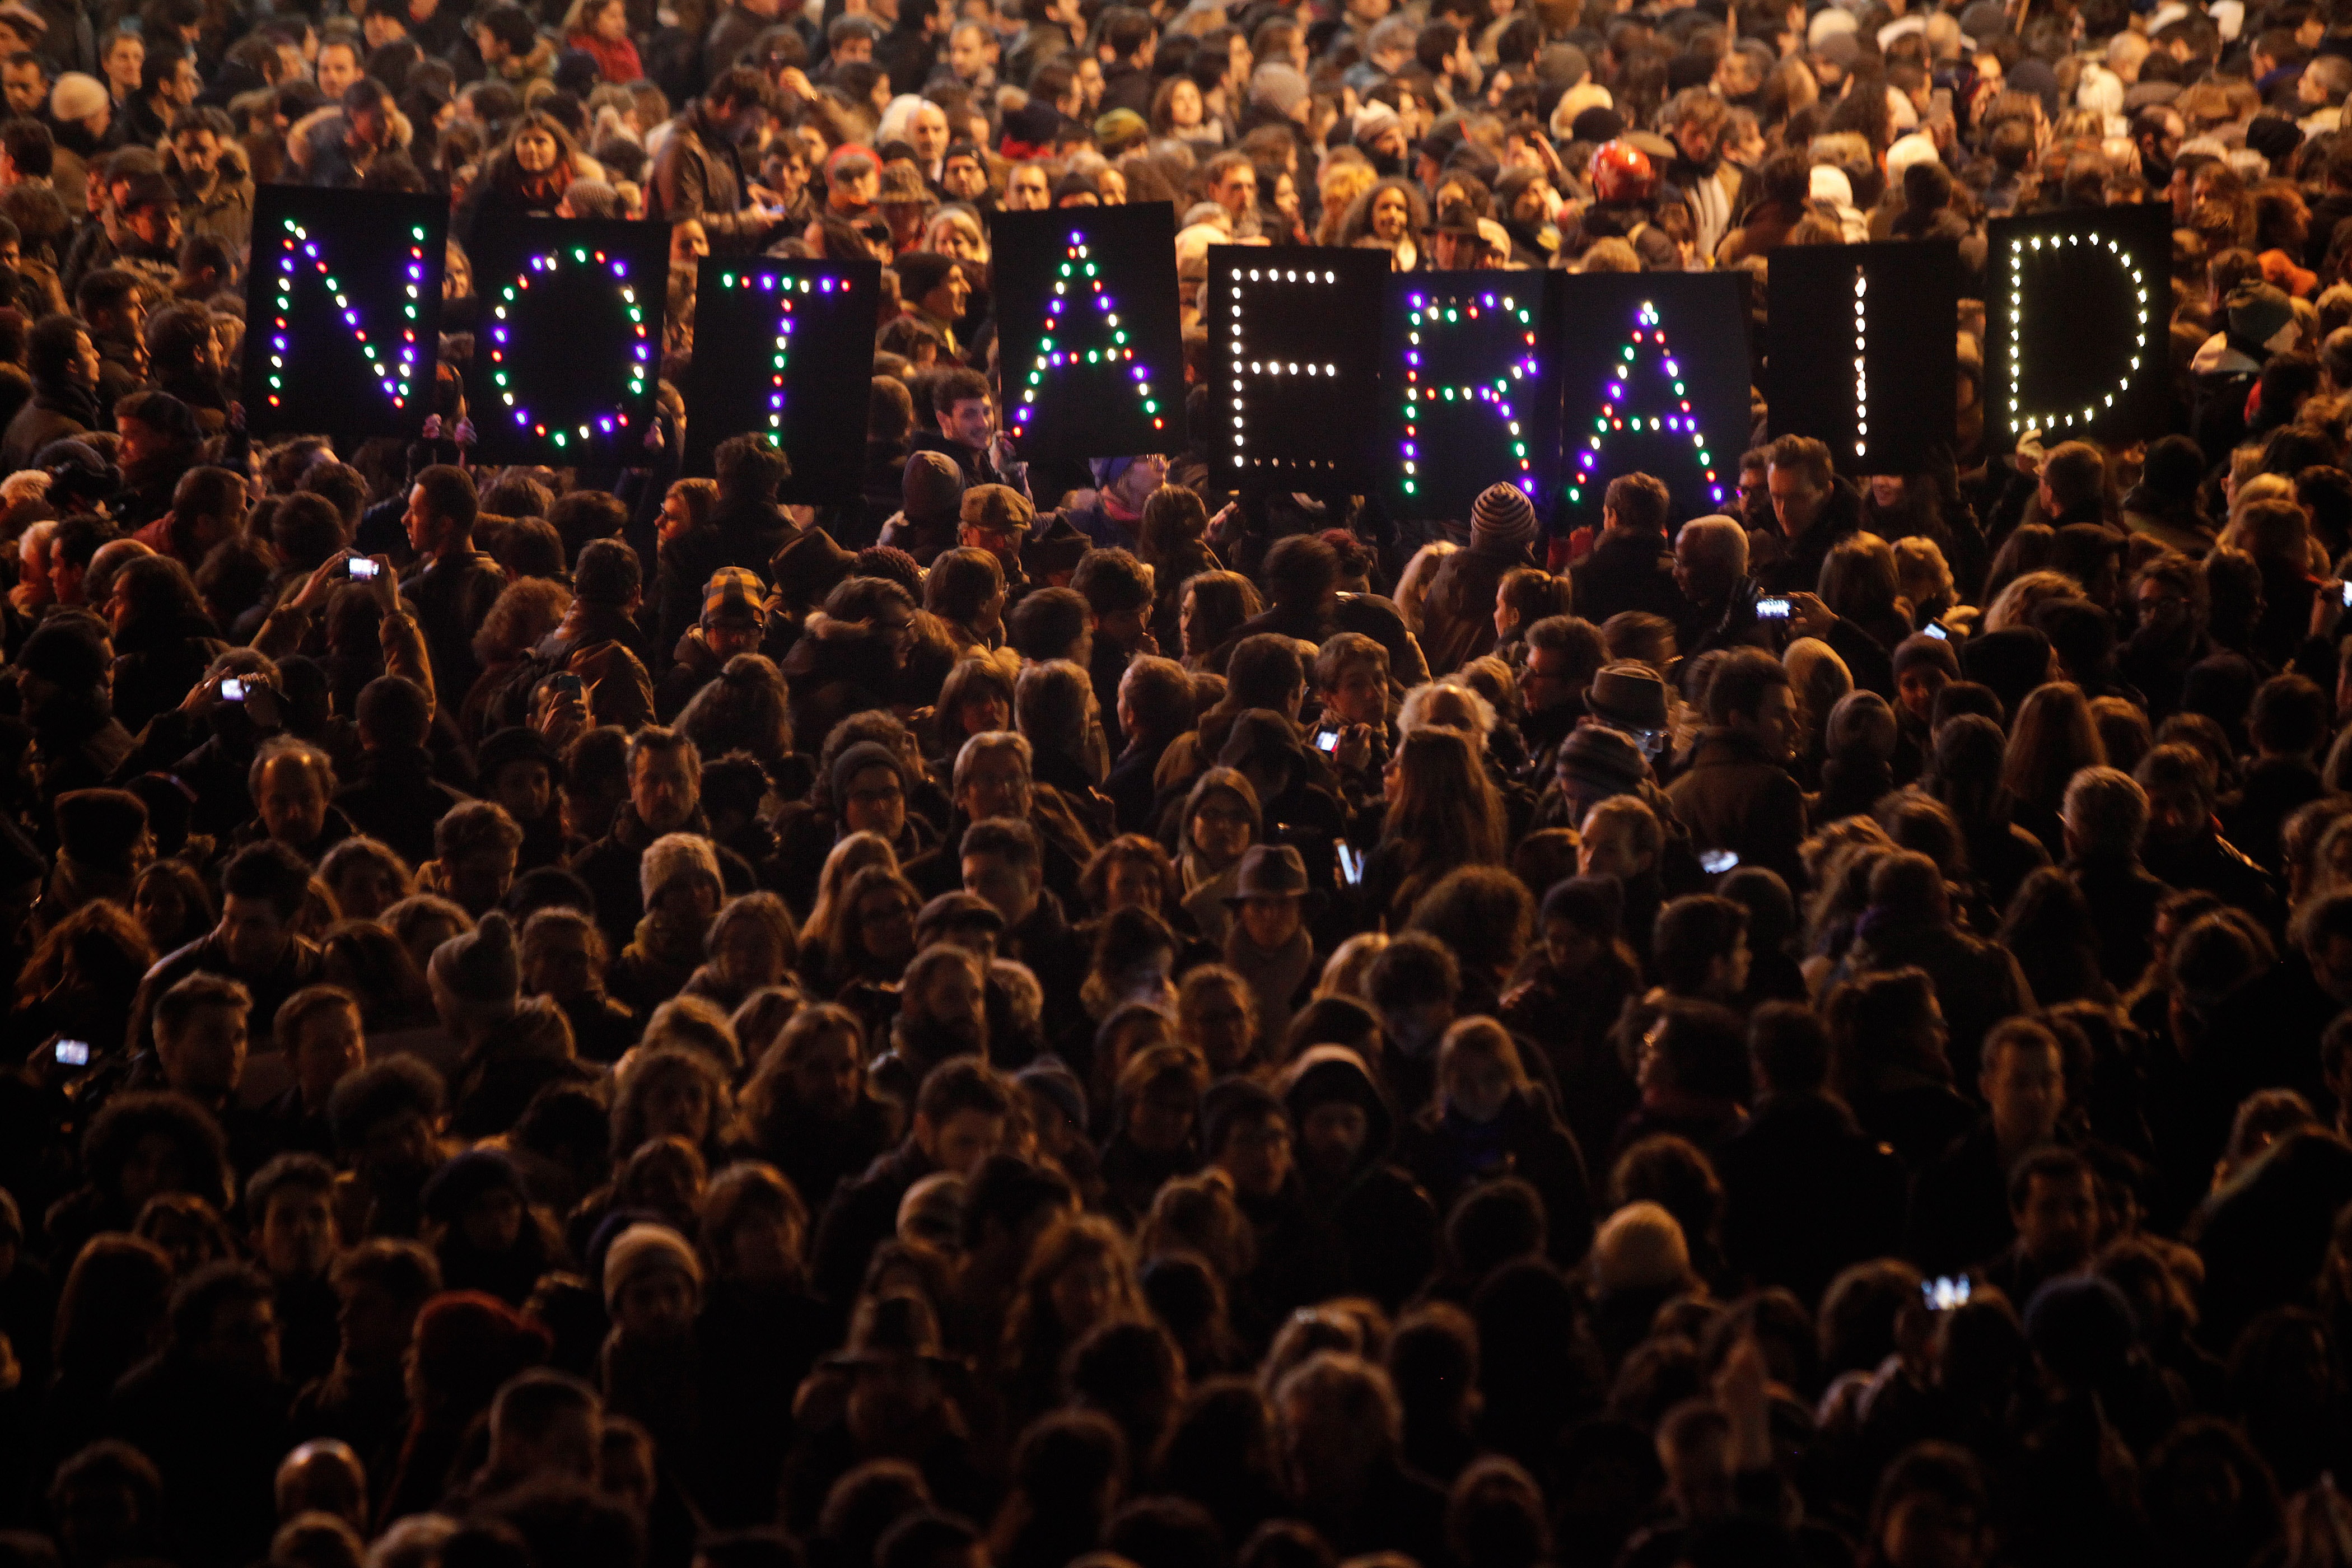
2020 247
1268 367
1682 420
641 352
1861 370
295 246
770 283
1428 311
1121 353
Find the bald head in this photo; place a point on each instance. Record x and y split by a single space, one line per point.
1710 555
323 1477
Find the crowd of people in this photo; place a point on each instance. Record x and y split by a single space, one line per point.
1057 1016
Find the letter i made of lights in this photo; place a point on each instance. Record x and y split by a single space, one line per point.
296 247
1269 367
1429 313
2023 420
786 288
1860 368
640 352
1077 269
1678 419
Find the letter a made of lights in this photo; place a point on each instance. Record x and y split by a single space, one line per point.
1679 419
1077 271
296 247
1428 314
1267 366
2021 419
640 352
784 288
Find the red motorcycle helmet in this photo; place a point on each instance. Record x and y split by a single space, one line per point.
1621 173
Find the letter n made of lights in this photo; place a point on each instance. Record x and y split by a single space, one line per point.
510 299
296 249
1080 285
1648 337
780 356
1430 314
2022 248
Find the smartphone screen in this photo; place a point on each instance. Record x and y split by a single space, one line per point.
1772 609
232 690
73 1053
1326 740
363 569
1933 630
1352 866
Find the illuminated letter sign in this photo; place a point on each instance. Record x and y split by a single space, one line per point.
785 348
1473 390
567 350
1657 377
1295 376
1091 352
1864 350
2079 308
345 302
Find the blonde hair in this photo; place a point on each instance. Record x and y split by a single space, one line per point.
1418 574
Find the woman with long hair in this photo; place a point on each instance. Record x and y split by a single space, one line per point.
873 936
1080 1276
164 638
2053 738
1442 812
1173 540
79 980
600 29
2048 930
851 854
530 175
1390 216
1213 605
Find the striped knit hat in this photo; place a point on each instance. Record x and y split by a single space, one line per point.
1503 523
735 593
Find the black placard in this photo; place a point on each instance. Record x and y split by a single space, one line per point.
344 306
1471 383
2078 309
1089 344
1296 377
568 339
1656 376
1864 350
786 349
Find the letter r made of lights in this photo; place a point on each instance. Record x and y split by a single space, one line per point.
1617 411
780 352
2022 248
1430 316
1079 310
511 299
298 252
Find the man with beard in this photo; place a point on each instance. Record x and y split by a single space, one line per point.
700 172
942 1015
963 1112
1376 1218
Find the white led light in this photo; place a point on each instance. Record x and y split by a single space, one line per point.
2021 421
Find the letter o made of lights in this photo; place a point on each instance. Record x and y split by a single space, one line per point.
640 352
295 248
2019 248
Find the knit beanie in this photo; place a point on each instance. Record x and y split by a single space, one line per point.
1603 759
676 855
481 966
2260 314
1057 1083
1277 86
643 1249
932 487
1919 648
855 759
1503 522
98 827
1639 1247
1862 727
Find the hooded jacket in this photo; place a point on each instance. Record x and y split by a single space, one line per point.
1376 1218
